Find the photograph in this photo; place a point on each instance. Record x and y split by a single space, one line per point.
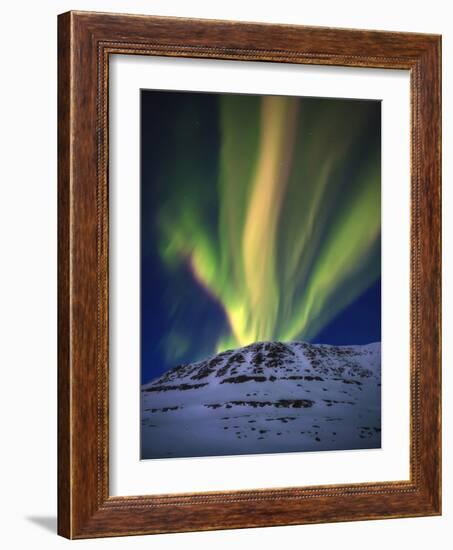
260 274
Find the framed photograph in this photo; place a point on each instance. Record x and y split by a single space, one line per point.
249 275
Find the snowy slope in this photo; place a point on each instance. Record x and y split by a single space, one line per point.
264 398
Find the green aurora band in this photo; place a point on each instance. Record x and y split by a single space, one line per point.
286 233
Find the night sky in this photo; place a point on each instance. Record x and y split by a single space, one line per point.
260 220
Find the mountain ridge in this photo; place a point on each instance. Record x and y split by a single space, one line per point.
257 347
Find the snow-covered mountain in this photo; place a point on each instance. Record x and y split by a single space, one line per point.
264 398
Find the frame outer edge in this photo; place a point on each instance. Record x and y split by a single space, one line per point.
438 171
435 173
432 225
427 275
64 527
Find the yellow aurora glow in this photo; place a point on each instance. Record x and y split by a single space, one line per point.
298 234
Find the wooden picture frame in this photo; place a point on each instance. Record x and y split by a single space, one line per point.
85 42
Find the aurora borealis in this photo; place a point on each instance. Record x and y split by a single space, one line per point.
260 220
